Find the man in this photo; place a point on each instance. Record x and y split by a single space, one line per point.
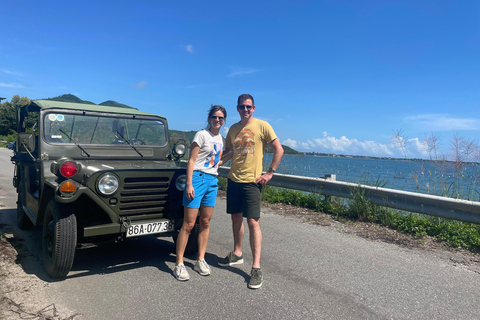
247 140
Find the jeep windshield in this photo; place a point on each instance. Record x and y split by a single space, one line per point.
90 129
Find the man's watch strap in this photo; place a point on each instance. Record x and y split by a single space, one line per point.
271 170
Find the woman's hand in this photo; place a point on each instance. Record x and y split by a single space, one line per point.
190 192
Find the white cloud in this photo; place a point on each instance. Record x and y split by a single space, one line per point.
443 122
414 148
241 71
12 73
10 85
189 48
200 85
141 85
225 131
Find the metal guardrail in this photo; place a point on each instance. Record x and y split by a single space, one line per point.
463 210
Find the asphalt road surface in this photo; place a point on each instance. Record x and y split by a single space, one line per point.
310 272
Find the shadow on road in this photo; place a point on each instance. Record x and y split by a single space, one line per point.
213 260
90 259
110 257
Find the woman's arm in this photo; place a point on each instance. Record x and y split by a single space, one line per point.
226 155
194 149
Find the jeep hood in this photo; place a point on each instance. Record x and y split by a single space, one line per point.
94 166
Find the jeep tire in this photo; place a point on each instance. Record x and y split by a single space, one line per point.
59 239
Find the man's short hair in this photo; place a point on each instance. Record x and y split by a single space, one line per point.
244 97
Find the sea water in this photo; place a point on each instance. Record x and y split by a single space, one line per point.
431 177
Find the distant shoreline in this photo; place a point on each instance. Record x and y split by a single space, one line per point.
332 155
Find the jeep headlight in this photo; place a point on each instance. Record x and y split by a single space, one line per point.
180 182
107 184
179 149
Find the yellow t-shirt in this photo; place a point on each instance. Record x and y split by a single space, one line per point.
248 143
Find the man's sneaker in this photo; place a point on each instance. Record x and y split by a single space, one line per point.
256 279
230 260
180 272
202 267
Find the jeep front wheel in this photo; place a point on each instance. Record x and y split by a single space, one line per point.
59 239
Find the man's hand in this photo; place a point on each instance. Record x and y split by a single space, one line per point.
263 179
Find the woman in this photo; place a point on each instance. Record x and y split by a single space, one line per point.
201 190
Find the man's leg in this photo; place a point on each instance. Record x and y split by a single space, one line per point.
238 232
255 240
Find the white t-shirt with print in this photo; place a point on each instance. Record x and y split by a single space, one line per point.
211 149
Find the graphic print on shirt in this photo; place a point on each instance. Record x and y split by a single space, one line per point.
214 156
244 142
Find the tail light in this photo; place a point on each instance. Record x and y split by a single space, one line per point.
69 169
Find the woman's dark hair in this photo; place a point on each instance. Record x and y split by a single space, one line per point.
213 109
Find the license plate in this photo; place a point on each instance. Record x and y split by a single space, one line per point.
141 229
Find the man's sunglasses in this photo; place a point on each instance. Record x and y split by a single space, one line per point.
217 118
243 106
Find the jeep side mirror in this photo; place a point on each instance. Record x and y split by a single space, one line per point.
26 142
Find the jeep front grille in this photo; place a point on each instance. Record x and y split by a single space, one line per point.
144 196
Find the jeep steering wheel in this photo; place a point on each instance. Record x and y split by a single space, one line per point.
137 142
119 141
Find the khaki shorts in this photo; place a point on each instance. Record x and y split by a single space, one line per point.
244 198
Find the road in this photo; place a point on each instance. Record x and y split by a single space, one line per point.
310 272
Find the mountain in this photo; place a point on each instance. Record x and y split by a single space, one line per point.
111 103
176 135
71 98
286 149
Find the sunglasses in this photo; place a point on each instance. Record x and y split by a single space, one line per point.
217 118
243 106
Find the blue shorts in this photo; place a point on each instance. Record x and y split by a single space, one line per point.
205 186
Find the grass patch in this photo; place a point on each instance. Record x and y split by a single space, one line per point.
359 208
9 138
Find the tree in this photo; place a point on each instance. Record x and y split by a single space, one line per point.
8 114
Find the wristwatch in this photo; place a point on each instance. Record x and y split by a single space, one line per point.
271 170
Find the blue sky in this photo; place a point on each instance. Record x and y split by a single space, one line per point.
330 76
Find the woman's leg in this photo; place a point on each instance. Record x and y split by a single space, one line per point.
205 217
189 218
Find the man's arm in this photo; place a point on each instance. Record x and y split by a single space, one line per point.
277 157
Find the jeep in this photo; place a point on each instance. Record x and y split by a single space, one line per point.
88 173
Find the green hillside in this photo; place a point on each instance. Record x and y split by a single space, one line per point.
112 103
71 98
185 135
287 149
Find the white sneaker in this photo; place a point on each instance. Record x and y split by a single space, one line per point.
180 272
202 267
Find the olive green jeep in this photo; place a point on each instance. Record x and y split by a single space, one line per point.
89 173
